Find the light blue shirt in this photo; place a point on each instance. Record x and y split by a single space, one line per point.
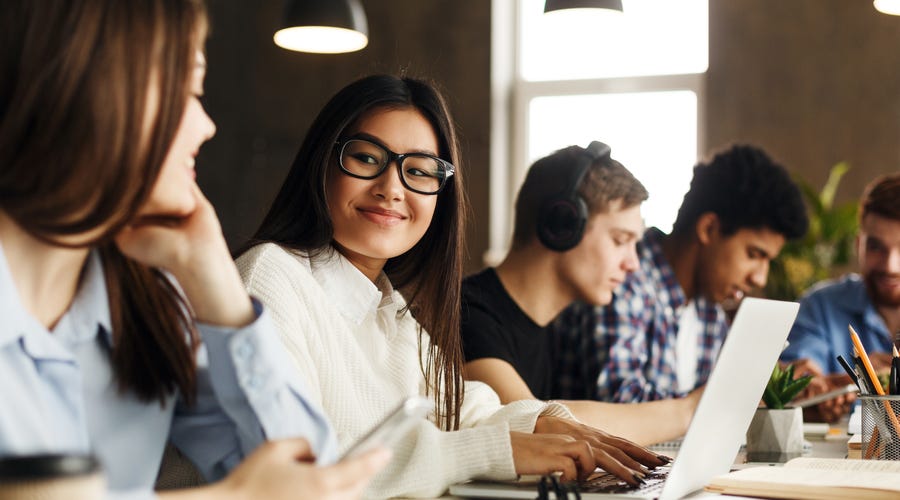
820 332
59 395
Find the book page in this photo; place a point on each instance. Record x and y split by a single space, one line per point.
844 464
852 479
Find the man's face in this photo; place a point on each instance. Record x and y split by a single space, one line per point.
878 248
730 266
606 253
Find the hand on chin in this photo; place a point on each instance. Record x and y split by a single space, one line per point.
173 236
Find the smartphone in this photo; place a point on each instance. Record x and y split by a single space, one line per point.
821 398
397 424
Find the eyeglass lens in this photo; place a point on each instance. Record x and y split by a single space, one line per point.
367 160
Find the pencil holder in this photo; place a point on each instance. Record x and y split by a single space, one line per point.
880 427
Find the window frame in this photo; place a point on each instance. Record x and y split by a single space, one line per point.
511 96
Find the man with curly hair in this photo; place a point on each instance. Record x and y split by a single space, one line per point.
661 334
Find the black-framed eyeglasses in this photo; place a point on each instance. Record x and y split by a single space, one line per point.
419 172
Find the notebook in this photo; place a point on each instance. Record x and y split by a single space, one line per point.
717 430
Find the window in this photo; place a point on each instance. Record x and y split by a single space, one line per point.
633 80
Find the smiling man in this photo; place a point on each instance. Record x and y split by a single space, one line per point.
870 301
661 334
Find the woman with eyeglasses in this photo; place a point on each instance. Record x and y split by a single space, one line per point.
125 322
374 206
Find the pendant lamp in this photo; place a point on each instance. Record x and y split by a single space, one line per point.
323 26
888 6
551 5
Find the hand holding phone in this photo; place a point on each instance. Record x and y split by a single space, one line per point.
394 427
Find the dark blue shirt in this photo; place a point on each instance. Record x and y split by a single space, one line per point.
820 332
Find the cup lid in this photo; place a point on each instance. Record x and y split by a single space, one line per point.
45 466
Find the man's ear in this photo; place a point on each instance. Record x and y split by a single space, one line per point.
707 227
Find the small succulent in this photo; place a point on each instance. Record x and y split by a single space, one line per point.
782 387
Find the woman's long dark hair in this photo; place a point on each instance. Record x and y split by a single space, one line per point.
75 155
430 273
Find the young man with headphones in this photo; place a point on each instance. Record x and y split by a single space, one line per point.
577 221
661 335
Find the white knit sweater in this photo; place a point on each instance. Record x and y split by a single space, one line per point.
360 356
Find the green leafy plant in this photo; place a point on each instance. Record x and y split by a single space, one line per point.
827 246
782 388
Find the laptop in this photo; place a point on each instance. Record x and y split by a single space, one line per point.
732 394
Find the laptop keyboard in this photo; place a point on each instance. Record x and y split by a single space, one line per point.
604 482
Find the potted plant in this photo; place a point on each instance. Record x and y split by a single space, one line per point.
827 248
777 429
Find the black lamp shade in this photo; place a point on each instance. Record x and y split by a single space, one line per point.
551 5
327 26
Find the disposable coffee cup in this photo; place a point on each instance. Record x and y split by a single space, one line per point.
51 477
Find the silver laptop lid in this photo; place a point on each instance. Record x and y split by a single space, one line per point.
732 394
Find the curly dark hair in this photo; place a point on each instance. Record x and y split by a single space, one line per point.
745 189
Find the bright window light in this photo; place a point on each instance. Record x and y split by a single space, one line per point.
651 37
654 134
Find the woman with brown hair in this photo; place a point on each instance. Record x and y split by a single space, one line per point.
125 321
374 203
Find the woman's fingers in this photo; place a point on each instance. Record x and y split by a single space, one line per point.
626 451
632 454
547 453
286 469
354 473
574 458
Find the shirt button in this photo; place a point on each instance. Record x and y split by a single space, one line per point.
253 382
245 350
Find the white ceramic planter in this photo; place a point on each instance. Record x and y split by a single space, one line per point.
776 431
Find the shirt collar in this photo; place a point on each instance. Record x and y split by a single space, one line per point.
857 302
354 295
651 250
88 313
90 308
857 298
15 319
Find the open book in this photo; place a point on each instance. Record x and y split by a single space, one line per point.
815 478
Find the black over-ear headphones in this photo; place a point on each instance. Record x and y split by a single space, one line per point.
562 216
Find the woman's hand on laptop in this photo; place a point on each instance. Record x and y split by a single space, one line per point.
615 455
548 453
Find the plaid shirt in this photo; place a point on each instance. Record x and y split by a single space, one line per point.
625 352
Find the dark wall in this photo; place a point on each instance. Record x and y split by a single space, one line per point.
815 82
812 81
263 97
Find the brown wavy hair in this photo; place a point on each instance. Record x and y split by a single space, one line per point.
881 197
430 273
76 155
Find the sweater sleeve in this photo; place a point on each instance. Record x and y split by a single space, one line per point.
429 460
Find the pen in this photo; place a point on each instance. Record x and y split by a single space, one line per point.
895 373
847 368
865 383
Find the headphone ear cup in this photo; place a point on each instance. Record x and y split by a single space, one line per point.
561 223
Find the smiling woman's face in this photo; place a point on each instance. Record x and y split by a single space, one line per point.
173 192
378 219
